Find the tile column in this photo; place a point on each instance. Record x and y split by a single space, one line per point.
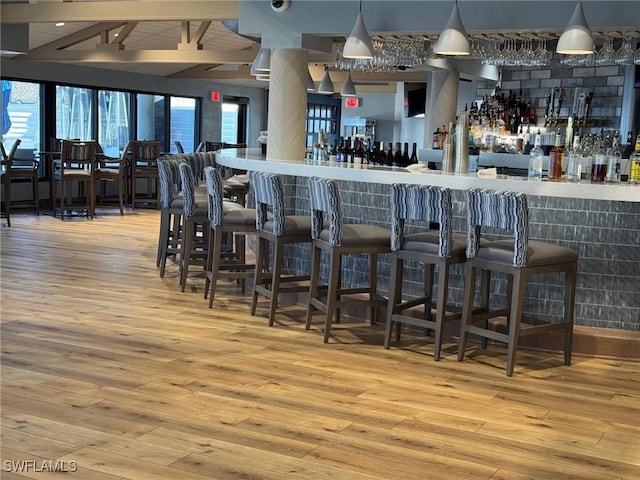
287 104
442 103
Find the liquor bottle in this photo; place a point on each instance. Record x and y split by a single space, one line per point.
574 157
613 160
443 136
397 157
628 150
405 155
634 163
555 160
599 165
536 156
413 159
436 139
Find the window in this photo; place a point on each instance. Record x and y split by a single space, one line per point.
182 112
74 113
151 118
113 121
21 114
234 120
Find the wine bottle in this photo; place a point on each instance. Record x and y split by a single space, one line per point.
397 156
405 155
358 153
536 157
414 155
555 160
389 160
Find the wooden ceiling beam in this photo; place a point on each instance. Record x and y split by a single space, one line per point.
126 11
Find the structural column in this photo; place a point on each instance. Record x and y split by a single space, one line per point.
287 104
442 102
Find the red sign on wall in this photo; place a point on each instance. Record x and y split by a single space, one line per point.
215 96
352 102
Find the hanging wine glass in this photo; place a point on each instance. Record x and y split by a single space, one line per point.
606 54
624 55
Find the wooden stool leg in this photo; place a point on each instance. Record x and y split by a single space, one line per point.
332 291
517 300
467 308
441 306
395 297
313 283
278 254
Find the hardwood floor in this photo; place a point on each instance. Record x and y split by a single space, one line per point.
110 371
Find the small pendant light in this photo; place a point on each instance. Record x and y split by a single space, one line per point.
326 85
348 88
311 86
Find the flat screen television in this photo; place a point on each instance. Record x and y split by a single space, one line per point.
416 98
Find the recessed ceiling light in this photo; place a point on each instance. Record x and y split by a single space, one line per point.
60 24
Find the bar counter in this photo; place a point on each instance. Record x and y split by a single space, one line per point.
601 222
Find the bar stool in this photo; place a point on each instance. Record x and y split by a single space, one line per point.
171 208
275 232
194 234
518 258
75 165
441 248
226 218
338 239
144 165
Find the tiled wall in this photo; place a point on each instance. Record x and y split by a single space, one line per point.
606 83
605 234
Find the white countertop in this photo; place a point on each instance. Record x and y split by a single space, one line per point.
252 159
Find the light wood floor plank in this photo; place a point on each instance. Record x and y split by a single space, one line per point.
108 365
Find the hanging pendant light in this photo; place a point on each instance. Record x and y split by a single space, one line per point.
576 37
262 62
348 88
326 85
311 86
453 39
358 44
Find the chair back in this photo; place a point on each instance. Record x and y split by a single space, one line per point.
215 194
325 201
502 210
188 186
77 156
7 158
145 154
212 146
170 179
268 194
428 204
179 147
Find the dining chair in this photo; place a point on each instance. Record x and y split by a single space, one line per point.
519 258
74 168
5 177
